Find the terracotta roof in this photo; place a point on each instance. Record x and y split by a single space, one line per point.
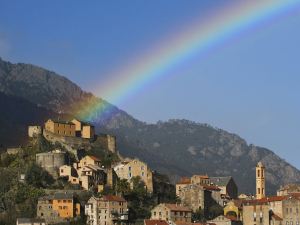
177 207
211 187
94 158
202 176
113 198
265 200
155 222
184 180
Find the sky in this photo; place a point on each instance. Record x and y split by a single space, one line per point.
248 85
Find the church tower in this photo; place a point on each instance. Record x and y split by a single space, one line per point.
260 181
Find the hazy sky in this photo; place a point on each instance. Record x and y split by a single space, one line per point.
249 85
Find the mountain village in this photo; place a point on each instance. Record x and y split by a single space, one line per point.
199 199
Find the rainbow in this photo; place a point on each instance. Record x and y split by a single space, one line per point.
195 39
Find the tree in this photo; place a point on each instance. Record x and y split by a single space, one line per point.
38 177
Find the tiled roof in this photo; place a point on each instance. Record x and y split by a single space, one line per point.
184 180
201 176
113 198
94 158
211 187
155 222
265 200
220 181
177 207
57 195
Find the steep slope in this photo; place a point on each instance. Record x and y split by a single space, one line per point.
176 147
16 114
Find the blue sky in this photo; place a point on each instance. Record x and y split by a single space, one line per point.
248 85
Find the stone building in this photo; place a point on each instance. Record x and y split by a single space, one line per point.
30 221
265 211
290 209
196 197
227 185
83 129
108 142
58 208
288 189
61 127
260 181
182 183
133 168
234 208
107 210
34 131
172 213
51 161
200 179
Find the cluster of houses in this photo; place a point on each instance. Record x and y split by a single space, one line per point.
198 193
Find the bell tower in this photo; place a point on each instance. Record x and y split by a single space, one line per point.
260 181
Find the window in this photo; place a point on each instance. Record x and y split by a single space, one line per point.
142 174
258 190
287 211
129 168
262 173
262 190
258 173
142 167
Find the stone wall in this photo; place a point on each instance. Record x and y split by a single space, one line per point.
34 131
51 161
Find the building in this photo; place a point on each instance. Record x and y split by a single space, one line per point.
200 179
30 221
196 197
57 208
227 185
182 183
83 129
260 181
14 150
61 127
171 212
107 210
108 142
265 211
234 208
34 131
88 160
225 220
135 168
290 209
51 161
288 189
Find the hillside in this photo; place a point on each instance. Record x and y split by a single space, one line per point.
166 146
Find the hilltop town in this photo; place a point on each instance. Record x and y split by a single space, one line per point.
68 174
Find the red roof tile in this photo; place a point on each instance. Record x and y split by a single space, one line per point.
265 200
95 158
211 187
177 207
113 198
155 222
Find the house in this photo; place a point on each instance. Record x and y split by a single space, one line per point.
288 189
265 211
234 208
107 210
60 127
58 208
183 182
30 221
200 179
91 176
196 197
135 168
171 212
87 160
227 185
84 129
225 220
290 209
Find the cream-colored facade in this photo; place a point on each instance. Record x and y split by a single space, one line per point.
135 168
200 179
171 212
260 181
85 130
60 128
182 183
107 210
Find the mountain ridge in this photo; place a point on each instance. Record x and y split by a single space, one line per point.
165 146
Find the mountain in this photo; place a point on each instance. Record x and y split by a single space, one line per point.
175 147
